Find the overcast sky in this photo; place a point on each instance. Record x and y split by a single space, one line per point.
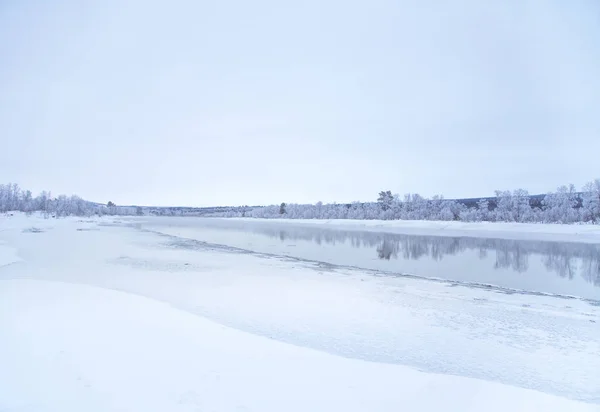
264 101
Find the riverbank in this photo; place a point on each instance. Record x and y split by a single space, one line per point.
585 233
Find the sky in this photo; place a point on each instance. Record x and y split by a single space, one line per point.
235 102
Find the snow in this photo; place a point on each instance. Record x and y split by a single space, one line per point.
585 233
71 347
98 315
8 255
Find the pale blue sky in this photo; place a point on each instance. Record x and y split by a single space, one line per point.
239 102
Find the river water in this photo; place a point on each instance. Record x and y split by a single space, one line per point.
566 268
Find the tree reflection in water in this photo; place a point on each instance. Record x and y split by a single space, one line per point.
563 258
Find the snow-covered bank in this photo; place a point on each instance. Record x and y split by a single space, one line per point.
510 341
71 348
501 230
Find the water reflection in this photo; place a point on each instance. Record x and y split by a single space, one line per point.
564 259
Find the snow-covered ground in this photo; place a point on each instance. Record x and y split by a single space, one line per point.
8 255
98 315
71 348
587 233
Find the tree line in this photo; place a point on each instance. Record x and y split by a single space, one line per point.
565 205
13 198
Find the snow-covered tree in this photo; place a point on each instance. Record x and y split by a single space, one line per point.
560 207
503 210
521 206
590 201
451 210
28 203
13 198
385 200
513 207
483 210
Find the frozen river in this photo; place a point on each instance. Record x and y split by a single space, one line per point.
81 295
556 267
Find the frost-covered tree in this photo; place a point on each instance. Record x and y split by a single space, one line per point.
28 203
385 200
451 210
414 207
521 206
10 197
503 210
483 210
434 208
560 207
590 201
13 198
43 201
468 215
61 206
513 207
